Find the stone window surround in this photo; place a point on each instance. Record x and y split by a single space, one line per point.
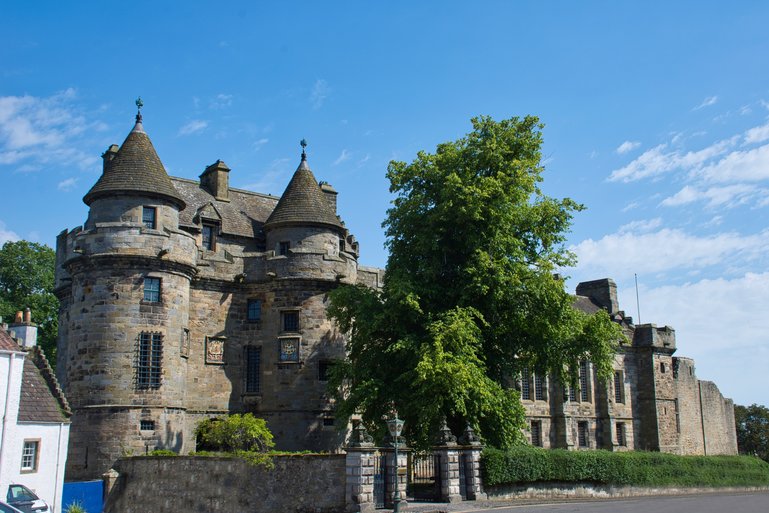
149 294
30 455
254 315
149 360
583 434
621 434
213 230
536 433
146 425
283 247
287 314
252 384
585 395
619 387
149 217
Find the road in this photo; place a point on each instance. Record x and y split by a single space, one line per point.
706 503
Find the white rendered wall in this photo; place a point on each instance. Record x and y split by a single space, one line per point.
11 364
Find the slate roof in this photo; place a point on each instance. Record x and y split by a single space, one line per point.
41 398
243 215
135 168
303 202
585 304
7 343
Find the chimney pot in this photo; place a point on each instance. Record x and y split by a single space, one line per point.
19 318
27 316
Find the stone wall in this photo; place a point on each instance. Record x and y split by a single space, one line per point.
717 421
302 483
690 413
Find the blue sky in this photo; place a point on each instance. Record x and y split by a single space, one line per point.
656 113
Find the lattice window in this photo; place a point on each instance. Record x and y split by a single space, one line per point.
209 236
539 387
619 387
582 434
584 391
525 385
253 371
621 436
149 360
536 433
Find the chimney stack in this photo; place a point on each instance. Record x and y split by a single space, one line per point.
24 330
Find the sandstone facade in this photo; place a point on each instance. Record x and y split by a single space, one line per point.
653 402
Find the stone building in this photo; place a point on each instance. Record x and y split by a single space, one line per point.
183 299
653 401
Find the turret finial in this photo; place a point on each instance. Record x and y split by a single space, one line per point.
139 105
303 144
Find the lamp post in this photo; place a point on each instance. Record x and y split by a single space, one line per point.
395 427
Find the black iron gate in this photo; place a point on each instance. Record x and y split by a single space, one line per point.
380 478
424 477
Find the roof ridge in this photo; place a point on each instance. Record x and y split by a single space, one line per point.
44 366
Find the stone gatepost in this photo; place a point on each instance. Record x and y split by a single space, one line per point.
402 478
446 447
359 478
471 452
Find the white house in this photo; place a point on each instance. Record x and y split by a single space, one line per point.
35 416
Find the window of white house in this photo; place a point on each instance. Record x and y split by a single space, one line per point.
149 217
152 290
149 359
619 387
29 455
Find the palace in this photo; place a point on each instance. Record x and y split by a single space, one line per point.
183 299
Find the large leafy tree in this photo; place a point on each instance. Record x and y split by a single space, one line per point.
26 281
470 295
752 430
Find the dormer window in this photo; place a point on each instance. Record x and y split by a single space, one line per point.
149 215
209 236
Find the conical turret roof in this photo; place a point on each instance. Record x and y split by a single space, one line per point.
303 202
136 169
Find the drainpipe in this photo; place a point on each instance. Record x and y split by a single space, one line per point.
56 497
3 441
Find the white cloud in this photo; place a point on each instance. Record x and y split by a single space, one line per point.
757 134
320 91
221 101
365 159
40 130
621 254
726 196
193 127
716 324
739 166
627 146
273 179
261 142
707 102
7 235
67 185
644 225
657 161
345 155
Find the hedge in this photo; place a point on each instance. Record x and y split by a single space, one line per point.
532 464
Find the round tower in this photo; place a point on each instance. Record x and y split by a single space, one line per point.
124 288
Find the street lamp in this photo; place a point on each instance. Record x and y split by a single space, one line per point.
395 427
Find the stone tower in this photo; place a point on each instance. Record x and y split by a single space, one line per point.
124 285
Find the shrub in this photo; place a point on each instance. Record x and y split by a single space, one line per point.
531 464
162 452
234 433
75 507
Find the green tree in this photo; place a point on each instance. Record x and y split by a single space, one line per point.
752 424
233 433
26 281
470 297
